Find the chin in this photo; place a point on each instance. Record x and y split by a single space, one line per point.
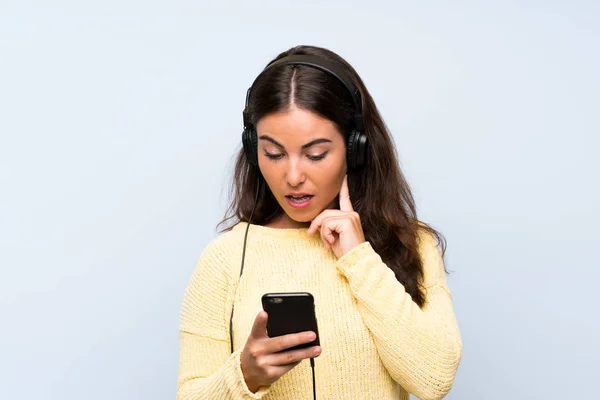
300 216
303 220
304 216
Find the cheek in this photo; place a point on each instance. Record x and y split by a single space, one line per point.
271 175
266 167
331 170
329 184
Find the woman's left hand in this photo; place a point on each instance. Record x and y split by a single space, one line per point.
341 229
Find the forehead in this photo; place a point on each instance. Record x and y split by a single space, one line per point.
297 125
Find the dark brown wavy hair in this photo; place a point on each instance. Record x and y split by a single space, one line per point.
379 191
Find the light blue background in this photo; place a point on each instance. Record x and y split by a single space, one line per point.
119 122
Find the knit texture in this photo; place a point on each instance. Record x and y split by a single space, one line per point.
376 342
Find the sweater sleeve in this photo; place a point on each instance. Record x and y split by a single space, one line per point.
420 347
207 369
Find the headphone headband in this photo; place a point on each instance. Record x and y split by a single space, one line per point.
356 141
323 65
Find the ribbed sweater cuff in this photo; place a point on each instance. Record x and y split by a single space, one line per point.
235 371
362 252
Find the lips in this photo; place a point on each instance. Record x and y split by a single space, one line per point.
298 194
299 202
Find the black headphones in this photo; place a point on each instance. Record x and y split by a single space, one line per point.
356 146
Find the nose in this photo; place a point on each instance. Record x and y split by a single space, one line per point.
294 174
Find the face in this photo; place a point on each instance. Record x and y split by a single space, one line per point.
301 153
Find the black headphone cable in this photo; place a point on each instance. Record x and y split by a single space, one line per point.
312 367
243 257
312 360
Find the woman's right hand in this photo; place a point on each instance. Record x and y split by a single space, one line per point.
261 365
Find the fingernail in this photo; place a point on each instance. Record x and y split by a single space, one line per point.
317 351
311 336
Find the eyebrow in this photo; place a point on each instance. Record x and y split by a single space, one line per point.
305 146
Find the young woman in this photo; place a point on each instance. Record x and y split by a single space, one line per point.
320 206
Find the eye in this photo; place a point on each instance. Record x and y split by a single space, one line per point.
273 156
311 158
319 157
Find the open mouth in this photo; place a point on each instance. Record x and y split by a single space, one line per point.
299 201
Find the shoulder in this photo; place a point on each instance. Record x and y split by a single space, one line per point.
426 241
430 252
227 240
215 267
222 252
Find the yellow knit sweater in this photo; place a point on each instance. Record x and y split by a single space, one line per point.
376 342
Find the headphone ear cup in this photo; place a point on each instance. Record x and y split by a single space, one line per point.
356 149
351 150
360 147
250 146
254 141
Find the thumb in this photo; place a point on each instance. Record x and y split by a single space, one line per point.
259 329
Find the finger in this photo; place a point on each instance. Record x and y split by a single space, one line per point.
293 356
330 228
278 371
259 328
316 223
345 203
323 230
283 342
